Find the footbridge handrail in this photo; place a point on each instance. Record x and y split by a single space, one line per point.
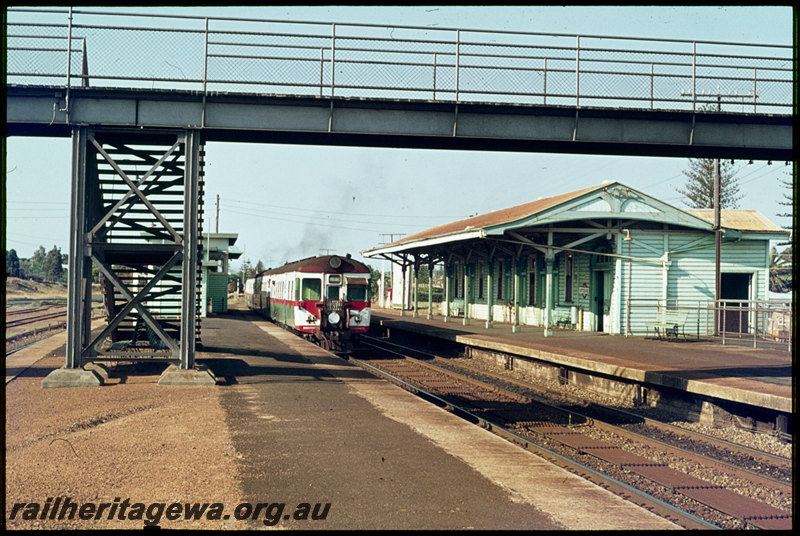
83 48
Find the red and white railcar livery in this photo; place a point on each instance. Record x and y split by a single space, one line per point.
326 299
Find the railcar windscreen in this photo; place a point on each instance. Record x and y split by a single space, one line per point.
333 292
356 292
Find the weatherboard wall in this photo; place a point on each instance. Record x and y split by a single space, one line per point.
673 268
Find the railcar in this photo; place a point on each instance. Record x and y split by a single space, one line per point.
325 299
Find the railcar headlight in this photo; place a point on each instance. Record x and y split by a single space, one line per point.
334 318
357 319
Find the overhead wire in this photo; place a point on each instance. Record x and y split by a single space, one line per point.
307 219
306 210
304 222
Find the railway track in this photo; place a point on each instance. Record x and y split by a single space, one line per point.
760 467
30 319
27 325
631 455
15 312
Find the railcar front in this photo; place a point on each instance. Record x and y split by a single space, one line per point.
324 299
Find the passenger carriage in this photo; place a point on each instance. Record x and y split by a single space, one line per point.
325 299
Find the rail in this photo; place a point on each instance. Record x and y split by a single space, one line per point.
756 323
80 48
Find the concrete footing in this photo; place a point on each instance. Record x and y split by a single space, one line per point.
69 377
199 375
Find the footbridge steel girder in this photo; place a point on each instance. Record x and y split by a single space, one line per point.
409 124
135 215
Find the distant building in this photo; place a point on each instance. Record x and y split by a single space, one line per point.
218 251
605 258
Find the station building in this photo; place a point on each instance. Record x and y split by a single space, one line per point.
606 258
218 251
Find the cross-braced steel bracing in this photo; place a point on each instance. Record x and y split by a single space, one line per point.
136 303
136 219
126 203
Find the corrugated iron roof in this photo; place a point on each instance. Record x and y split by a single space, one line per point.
498 217
741 220
738 219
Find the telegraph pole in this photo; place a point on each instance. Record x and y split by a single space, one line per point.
717 235
717 223
217 226
717 245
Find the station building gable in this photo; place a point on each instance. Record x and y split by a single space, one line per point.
603 258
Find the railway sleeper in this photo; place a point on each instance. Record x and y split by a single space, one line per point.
729 502
747 510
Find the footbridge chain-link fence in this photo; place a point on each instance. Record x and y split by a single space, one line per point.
226 55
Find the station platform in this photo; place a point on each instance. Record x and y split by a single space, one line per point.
312 427
760 377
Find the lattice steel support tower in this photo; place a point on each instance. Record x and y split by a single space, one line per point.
136 216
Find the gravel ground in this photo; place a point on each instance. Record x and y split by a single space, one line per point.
131 439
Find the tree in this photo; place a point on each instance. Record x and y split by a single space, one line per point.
423 274
12 263
788 201
699 187
780 264
35 267
52 265
246 271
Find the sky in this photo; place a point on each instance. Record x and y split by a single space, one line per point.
359 198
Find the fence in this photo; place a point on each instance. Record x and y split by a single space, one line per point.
80 48
760 323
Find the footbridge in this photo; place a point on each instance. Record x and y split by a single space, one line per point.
140 95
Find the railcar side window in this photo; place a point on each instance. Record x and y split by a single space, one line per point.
312 289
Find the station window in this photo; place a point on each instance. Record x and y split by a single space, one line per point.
568 266
531 280
500 275
457 282
600 259
481 281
